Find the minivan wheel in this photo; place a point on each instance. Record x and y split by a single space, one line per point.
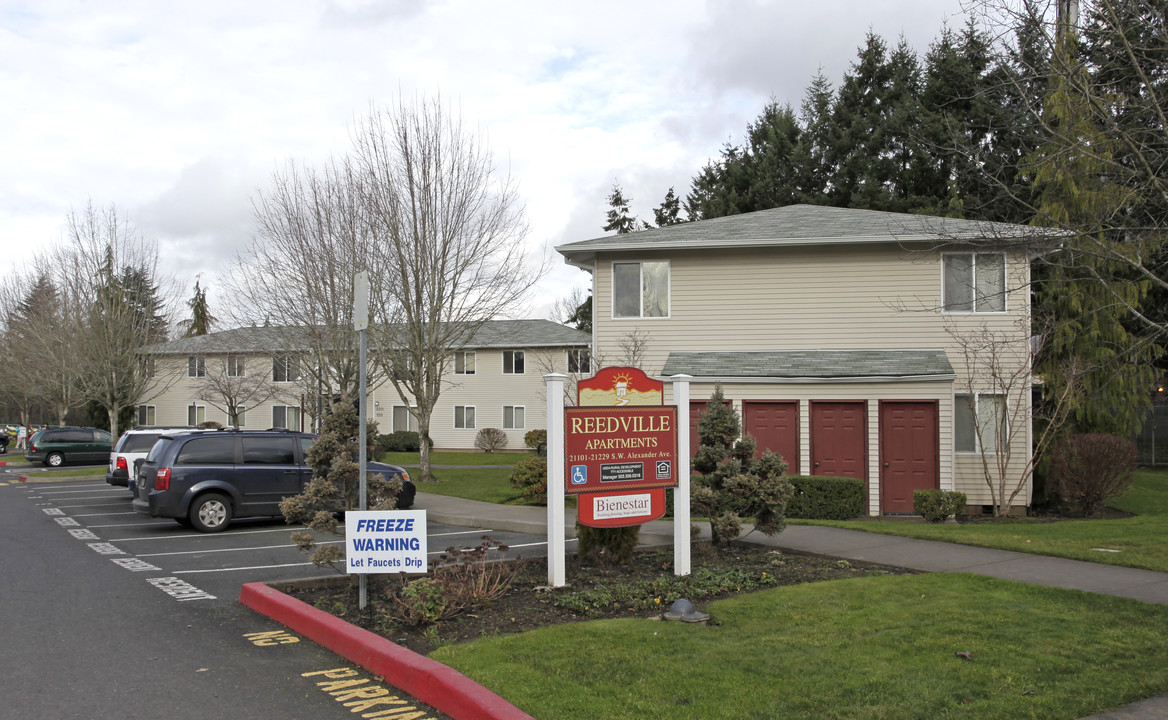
54 459
210 513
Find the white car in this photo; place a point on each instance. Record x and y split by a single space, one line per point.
133 445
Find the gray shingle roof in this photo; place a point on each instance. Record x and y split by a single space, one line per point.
803 225
811 364
494 334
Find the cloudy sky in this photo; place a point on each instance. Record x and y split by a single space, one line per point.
179 112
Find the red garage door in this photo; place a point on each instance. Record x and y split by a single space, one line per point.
839 439
775 425
909 453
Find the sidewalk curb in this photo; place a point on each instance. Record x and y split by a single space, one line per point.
427 680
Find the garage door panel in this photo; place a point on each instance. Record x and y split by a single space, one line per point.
909 453
775 425
839 439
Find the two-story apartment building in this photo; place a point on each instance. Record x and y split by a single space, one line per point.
495 381
851 342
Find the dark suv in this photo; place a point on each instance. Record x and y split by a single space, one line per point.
60 445
203 480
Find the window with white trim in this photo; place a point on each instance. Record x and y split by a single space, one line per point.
235 366
241 417
196 366
513 362
640 289
974 282
514 417
464 363
579 362
981 414
403 419
147 415
286 416
196 414
285 368
464 417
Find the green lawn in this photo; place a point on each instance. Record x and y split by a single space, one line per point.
1139 540
880 647
491 485
75 472
412 459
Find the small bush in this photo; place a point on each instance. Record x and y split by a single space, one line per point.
530 476
937 505
822 497
400 441
532 438
607 546
460 580
490 439
1087 470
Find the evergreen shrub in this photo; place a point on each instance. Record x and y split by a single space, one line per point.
937 505
823 497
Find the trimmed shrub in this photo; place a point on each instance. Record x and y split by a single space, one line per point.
605 546
532 438
1087 470
937 505
530 476
823 497
490 439
400 441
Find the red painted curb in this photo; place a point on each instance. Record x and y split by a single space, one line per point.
24 478
428 680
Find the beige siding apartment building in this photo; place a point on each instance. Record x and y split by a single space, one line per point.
852 342
496 381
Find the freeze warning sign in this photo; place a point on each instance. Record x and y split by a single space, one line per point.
619 448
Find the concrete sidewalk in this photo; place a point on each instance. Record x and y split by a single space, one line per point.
924 555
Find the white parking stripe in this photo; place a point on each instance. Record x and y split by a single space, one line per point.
253 567
103 514
223 550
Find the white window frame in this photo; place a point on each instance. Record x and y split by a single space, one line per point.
196 366
515 354
242 418
981 403
522 424
234 366
147 415
641 290
291 367
464 359
411 421
976 300
196 414
460 417
582 358
296 416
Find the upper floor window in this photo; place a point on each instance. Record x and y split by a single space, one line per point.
640 289
234 366
579 361
464 363
285 368
974 282
513 362
196 366
146 365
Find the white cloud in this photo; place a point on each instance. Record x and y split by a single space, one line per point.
179 112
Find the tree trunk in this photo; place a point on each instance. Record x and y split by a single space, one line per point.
424 446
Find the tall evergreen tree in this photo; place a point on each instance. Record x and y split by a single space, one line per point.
620 218
201 320
669 211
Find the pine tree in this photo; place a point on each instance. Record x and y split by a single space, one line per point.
201 320
668 212
619 216
732 484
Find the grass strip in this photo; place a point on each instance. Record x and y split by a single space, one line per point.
1131 542
880 647
412 459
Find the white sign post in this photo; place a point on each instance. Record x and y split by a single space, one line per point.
681 539
361 325
555 478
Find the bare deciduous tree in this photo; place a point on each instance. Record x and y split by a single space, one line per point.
115 273
449 237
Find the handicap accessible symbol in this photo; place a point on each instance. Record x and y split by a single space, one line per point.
579 474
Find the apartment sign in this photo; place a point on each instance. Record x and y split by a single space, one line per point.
619 448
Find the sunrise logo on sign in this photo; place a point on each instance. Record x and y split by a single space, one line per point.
619 387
